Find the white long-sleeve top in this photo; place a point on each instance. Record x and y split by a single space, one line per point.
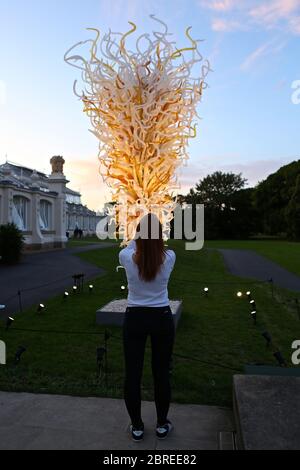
146 293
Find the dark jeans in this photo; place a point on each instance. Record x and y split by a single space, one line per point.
138 324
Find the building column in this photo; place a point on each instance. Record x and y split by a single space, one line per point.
57 183
37 238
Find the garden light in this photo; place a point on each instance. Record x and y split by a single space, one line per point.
20 351
66 295
74 289
206 291
9 322
100 355
267 337
123 288
40 308
107 335
254 315
91 287
78 281
239 294
280 359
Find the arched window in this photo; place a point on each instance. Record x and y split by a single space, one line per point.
20 212
92 222
45 214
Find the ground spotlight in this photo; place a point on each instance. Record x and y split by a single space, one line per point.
252 303
78 280
100 355
267 337
280 359
206 291
239 294
91 287
9 322
254 315
20 351
123 288
40 308
75 289
248 294
107 335
66 295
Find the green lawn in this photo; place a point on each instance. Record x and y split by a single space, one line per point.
285 253
217 330
88 241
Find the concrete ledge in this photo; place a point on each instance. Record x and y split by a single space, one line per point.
267 412
113 313
53 422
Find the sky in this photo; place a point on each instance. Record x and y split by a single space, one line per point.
250 114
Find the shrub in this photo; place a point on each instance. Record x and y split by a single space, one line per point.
11 244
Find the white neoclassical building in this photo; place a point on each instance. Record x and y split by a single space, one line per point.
42 206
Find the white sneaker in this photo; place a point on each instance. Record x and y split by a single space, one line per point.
162 432
137 435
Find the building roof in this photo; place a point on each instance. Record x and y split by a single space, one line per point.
21 176
71 191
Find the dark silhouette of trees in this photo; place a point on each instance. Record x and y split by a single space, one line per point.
292 213
272 208
229 210
273 199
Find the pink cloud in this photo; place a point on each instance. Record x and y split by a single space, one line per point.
236 15
294 25
221 5
225 25
269 13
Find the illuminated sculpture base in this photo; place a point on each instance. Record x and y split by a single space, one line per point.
113 313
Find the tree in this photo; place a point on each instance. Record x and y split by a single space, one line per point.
293 213
218 188
273 195
11 244
229 211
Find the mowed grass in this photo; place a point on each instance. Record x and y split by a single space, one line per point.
285 253
215 338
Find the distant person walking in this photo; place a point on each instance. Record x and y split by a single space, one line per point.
148 266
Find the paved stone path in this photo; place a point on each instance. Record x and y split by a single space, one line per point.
42 275
247 263
29 421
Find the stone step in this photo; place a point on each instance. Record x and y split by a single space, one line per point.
267 412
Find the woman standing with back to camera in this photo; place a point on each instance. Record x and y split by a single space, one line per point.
148 266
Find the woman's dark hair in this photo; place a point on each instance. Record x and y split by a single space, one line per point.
150 251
